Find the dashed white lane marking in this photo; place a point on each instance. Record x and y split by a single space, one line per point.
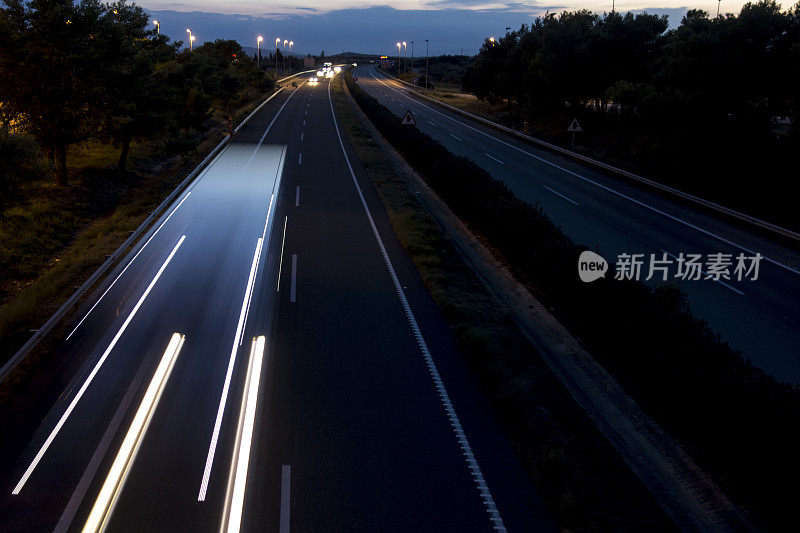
304 123
466 449
300 159
431 123
286 489
494 158
455 137
561 195
301 137
297 197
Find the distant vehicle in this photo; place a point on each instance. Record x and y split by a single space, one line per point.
329 74
313 79
320 73
355 64
337 70
327 64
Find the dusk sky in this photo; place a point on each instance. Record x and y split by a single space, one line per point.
452 26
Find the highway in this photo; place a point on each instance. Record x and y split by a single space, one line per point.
613 216
268 359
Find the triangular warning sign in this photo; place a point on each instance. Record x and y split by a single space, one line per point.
408 119
574 126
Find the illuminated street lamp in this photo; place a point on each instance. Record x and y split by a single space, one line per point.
398 58
405 56
290 54
158 26
491 39
277 40
258 45
191 39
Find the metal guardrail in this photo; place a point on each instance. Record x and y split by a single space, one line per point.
294 75
763 224
40 333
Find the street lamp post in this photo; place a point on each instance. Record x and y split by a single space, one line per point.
191 39
426 63
158 26
277 40
507 28
412 55
398 59
405 57
258 45
491 40
718 3
290 54
285 42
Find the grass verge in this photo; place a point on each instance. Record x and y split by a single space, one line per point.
571 464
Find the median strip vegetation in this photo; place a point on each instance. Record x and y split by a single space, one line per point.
737 422
565 455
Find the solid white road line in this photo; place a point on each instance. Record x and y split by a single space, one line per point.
266 131
240 462
561 195
94 371
726 285
494 158
455 137
477 475
297 197
115 480
293 289
286 490
129 263
280 262
601 186
234 349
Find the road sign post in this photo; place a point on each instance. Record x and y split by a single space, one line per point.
574 127
408 119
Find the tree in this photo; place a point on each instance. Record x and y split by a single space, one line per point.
138 100
51 50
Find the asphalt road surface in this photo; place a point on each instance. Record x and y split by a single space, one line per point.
612 216
312 386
